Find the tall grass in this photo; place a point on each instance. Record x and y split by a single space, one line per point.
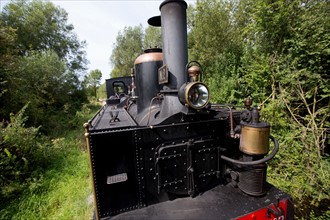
63 189
62 192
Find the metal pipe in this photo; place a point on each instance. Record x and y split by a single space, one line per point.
263 160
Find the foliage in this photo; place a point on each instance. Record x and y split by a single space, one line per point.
40 62
56 184
41 26
62 192
8 56
21 152
61 188
92 80
214 41
42 58
101 92
324 216
211 28
130 43
152 37
127 48
51 88
223 80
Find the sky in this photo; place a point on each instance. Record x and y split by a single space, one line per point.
98 22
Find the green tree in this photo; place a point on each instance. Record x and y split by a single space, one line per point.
152 37
48 57
40 26
92 80
8 59
214 41
305 90
211 28
50 92
130 43
128 47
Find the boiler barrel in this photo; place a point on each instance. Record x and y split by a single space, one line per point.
146 77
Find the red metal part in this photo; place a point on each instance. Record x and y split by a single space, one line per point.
272 212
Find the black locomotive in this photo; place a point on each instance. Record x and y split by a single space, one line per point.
160 150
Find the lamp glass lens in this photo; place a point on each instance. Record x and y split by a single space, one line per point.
198 95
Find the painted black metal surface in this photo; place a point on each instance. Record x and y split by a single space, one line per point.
222 202
137 167
111 117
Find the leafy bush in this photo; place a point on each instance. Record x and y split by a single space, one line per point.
21 153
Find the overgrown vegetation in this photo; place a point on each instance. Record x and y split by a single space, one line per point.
47 179
44 170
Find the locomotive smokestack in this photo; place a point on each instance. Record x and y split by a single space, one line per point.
174 38
175 54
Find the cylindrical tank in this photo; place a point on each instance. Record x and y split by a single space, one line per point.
255 138
252 179
146 77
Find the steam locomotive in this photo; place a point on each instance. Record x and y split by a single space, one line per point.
159 149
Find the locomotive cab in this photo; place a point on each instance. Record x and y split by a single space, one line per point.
159 149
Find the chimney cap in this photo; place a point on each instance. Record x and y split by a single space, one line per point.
155 21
